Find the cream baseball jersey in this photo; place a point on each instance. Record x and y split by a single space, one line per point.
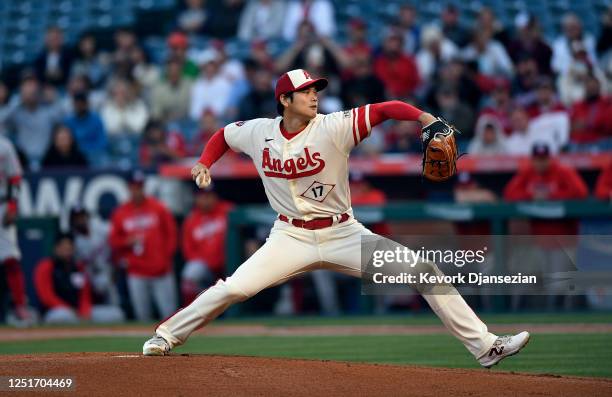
304 177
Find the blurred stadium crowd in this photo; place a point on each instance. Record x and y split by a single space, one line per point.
145 100
112 91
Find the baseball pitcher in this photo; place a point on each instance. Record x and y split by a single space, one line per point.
302 159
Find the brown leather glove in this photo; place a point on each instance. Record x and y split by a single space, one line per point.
439 151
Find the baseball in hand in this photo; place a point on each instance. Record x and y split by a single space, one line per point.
203 180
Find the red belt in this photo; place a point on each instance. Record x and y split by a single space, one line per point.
314 224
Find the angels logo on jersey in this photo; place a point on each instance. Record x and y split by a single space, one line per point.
306 165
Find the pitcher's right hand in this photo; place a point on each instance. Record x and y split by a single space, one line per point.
201 175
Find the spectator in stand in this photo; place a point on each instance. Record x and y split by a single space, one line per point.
145 73
312 49
546 99
208 125
450 108
603 188
451 26
79 83
525 83
203 243
64 289
7 105
529 44
91 248
90 62
159 146
411 31
363 86
53 63
604 42
259 57
32 120
547 179
397 70
193 19
489 138
212 89
357 39
123 112
562 50
404 137
259 102
223 18
178 44
604 50
571 82
549 120
88 130
435 51
64 151
261 20
171 96
592 117
320 13
501 105
488 21
233 70
122 58
490 55
462 77
143 238
519 142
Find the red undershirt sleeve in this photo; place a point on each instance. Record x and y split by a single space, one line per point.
393 110
215 148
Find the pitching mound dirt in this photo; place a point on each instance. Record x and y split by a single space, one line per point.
115 374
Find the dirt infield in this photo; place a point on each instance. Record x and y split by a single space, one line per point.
103 374
11 334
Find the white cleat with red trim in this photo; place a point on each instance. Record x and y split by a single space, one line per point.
504 346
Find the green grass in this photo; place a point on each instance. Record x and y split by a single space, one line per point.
562 354
425 319
396 319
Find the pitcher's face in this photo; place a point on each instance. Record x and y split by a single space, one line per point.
305 103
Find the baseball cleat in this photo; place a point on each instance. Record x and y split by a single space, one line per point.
156 346
504 346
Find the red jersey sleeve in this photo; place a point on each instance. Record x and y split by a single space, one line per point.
215 148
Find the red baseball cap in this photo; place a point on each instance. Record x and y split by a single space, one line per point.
296 80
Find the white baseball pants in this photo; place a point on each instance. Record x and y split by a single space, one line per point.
290 251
